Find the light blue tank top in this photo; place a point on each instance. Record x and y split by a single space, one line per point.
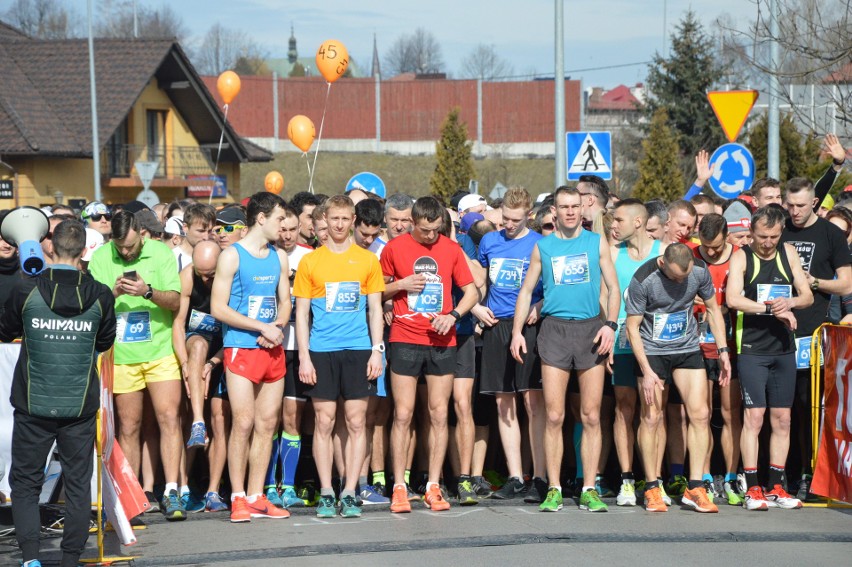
625 267
253 294
571 275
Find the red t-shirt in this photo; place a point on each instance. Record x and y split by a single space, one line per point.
444 264
719 274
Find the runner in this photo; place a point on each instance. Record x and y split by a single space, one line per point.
340 354
251 297
634 248
198 222
571 336
506 255
662 332
765 284
304 204
422 338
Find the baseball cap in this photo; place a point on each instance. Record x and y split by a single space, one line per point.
469 201
469 220
94 240
231 215
541 197
174 225
93 208
136 206
149 221
738 217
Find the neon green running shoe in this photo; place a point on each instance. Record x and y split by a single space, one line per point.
734 499
590 500
553 502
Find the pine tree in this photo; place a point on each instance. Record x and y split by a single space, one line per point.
796 153
660 176
680 83
454 169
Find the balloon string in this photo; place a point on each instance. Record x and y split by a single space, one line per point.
308 164
218 152
319 139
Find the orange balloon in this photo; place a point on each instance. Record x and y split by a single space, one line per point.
301 132
274 182
228 85
332 60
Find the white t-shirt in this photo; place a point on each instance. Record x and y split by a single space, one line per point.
183 259
377 246
293 259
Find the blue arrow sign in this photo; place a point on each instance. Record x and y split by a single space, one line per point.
733 170
366 181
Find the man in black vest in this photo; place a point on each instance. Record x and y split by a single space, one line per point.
65 318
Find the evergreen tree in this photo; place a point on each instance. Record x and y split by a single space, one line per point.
679 83
454 169
796 153
660 176
298 70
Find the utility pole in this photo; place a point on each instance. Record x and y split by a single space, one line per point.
774 131
559 95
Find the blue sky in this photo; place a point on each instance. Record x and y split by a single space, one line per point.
600 33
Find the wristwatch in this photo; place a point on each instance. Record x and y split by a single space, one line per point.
815 285
148 294
768 309
455 314
379 347
612 325
723 350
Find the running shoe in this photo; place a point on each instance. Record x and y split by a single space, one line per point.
734 498
667 500
191 503
804 488
349 508
153 503
380 489
755 500
654 500
309 495
698 500
603 488
239 510
552 502
590 500
466 494
780 499
399 500
273 497
197 436
290 499
434 500
495 479
626 495
481 486
412 496
513 488
537 492
370 496
33 563
214 503
677 486
326 507
710 490
263 508
172 507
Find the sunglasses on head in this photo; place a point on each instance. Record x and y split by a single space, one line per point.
96 218
228 228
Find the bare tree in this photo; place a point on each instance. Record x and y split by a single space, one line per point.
117 21
44 19
223 48
416 53
485 63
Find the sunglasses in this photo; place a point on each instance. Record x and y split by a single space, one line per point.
97 218
228 228
548 226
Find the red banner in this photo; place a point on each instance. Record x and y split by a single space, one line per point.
833 474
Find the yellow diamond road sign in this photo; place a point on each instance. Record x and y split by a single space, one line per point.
732 108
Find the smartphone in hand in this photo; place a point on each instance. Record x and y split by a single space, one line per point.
130 275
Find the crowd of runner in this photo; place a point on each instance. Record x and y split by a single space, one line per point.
344 351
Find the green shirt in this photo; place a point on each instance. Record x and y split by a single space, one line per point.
143 329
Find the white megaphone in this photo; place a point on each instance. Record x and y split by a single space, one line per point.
26 227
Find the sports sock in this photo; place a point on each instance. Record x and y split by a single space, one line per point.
652 484
327 491
628 476
183 490
379 477
776 475
751 478
290 449
362 482
171 486
676 469
707 476
692 484
253 498
235 495
272 469
731 477
407 476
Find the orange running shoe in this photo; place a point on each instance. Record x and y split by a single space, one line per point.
654 500
263 508
697 499
399 500
239 510
434 500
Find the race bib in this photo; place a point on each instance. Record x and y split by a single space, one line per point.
623 342
768 292
263 308
803 353
670 326
200 322
133 327
342 297
430 300
506 272
570 270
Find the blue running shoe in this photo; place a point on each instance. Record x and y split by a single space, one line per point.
191 503
32 563
198 436
172 507
273 497
326 507
291 499
214 503
369 496
349 508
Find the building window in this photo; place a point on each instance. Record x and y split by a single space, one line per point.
156 130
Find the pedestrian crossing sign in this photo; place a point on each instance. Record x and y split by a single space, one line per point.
589 153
